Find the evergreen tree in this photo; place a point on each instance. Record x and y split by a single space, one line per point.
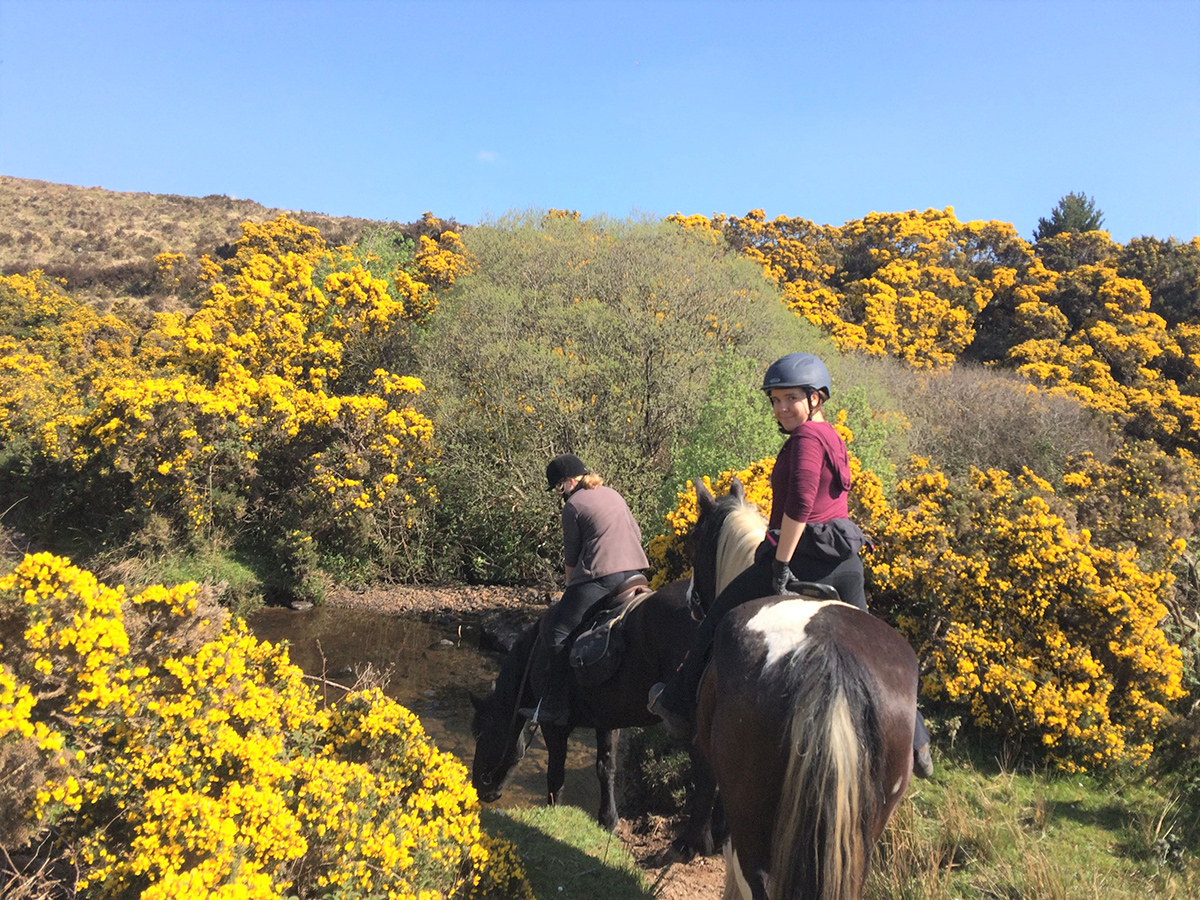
1075 212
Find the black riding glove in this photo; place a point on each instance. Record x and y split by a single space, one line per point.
780 576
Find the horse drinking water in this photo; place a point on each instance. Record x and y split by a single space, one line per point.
806 717
656 633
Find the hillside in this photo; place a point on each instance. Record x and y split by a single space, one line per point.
103 243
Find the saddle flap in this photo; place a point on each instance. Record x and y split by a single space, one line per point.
595 654
592 644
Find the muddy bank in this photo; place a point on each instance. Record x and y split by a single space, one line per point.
500 613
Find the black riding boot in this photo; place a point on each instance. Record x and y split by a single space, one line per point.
549 674
675 701
555 705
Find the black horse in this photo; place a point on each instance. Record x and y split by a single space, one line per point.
657 634
806 716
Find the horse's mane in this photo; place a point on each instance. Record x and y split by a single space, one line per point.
742 529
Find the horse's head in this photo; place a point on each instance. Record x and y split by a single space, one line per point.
728 530
501 733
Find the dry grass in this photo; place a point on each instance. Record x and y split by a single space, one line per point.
968 416
1008 836
104 242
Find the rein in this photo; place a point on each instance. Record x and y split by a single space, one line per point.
516 713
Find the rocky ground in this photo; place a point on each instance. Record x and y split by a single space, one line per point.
503 611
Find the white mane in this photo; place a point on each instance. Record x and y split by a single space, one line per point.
743 531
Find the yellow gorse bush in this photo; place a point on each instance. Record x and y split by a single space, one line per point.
908 284
267 415
1025 624
217 771
1118 357
928 289
1028 627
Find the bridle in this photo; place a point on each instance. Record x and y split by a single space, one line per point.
695 607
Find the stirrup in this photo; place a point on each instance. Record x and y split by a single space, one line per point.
679 725
530 712
535 716
653 694
923 762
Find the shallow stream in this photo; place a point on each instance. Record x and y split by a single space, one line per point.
431 670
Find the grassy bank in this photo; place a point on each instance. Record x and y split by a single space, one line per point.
568 856
976 831
979 830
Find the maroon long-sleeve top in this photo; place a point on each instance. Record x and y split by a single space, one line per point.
811 478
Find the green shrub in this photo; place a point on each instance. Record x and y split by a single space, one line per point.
600 338
735 424
655 775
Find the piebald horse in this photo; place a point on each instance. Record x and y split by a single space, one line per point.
806 717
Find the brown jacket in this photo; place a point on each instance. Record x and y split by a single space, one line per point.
600 536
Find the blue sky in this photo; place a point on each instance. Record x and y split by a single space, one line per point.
825 110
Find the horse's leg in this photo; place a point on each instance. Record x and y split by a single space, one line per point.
555 738
697 836
748 849
732 890
606 771
733 746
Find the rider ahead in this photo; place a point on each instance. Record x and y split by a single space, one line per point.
602 549
810 536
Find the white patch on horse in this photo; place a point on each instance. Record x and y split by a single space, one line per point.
896 787
783 625
734 879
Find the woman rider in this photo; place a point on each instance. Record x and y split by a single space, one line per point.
602 548
810 536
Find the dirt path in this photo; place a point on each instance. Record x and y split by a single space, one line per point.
648 839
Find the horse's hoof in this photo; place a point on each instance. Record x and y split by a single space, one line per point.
679 851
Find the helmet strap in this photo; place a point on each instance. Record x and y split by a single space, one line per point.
814 408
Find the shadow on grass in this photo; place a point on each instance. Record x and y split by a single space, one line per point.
567 856
1109 817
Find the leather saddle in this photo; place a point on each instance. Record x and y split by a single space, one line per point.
595 654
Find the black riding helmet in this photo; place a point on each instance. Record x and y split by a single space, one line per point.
567 465
798 370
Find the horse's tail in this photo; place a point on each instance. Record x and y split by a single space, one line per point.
821 847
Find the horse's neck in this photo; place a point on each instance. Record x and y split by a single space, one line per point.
514 670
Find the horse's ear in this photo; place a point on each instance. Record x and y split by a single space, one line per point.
736 489
476 700
704 497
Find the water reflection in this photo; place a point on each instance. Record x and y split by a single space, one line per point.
431 670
